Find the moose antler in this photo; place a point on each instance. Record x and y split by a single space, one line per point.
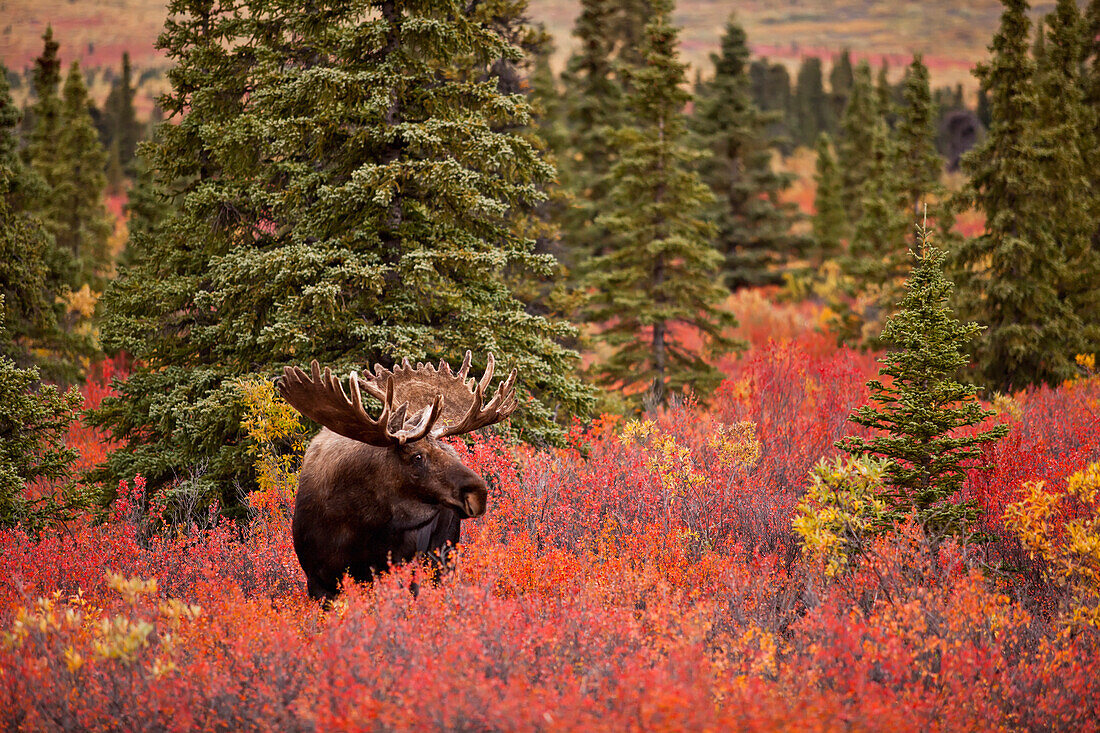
463 399
322 399
430 400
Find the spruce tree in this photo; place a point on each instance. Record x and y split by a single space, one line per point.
25 188
841 80
120 120
1008 276
884 94
1090 55
34 419
45 115
830 223
811 104
856 129
75 212
594 89
754 225
28 282
982 110
770 85
921 412
33 272
919 164
876 255
656 288
1066 145
337 194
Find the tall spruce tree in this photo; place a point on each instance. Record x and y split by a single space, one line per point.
811 104
1008 276
656 288
44 115
34 273
770 85
884 94
339 195
594 89
919 164
856 129
25 187
830 223
1066 146
876 255
841 80
75 212
754 225
922 412
120 119
1090 55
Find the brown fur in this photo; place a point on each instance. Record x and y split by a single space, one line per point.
360 507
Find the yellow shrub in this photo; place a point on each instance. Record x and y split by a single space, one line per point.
273 427
840 510
1063 529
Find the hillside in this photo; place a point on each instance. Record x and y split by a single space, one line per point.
953 35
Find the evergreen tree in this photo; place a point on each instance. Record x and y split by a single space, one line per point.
811 104
120 120
594 87
45 115
25 187
876 256
1008 276
856 129
338 194
770 85
754 226
34 419
660 270
982 110
830 224
884 93
1066 144
1090 55
33 271
75 212
546 100
919 164
841 80
147 207
922 410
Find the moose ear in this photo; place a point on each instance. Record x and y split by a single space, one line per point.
397 420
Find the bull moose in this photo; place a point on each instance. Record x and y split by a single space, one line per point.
376 491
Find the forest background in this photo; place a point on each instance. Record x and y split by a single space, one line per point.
718 504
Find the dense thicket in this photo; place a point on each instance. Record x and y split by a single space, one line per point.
339 195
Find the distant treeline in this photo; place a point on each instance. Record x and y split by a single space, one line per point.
807 108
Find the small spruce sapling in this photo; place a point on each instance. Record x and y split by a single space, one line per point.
921 410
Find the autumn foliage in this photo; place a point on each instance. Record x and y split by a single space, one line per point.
647 577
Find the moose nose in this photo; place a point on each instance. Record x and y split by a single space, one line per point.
474 495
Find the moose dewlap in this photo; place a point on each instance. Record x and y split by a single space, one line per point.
375 491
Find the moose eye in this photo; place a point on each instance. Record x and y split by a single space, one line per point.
418 458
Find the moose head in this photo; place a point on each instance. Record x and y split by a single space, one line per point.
376 491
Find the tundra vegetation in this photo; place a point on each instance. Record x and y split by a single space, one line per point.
818 485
